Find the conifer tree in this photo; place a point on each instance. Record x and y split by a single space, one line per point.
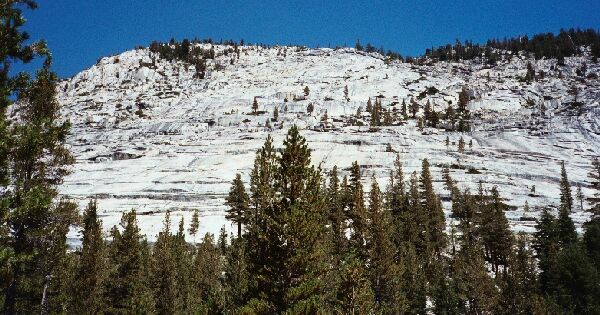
195 224
310 108
404 110
164 272
128 289
414 108
335 199
302 206
236 281
519 284
436 222
357 213
238 202
206 284
427 112
475 288
306 91
546 247
275 114
580 197
416 229
530 76
462 111
575 283
346 94
414 279
494 231
369 106
450 115
566 199
461 145
33 161
354 295
384 272
594 177
255 106
92 267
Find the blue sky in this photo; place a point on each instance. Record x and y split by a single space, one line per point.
79 32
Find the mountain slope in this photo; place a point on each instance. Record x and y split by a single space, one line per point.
149 135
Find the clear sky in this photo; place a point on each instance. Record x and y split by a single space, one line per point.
79 32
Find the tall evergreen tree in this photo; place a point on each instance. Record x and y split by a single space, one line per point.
33 161
385 273
236 279
546 247
92 267
168 277
238 202
566 198
436 222
357 213
208 297
519 283
128 285
494 231
336 203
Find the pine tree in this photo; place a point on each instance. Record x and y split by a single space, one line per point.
357 213
306 91
236 281
346 94
369 106
275 114
302 206
594 177
404 111
546 247
384 272
427 112
530 76
580 197
414 108
335 199
475 288
575 283
206 285
519 284
255 106
494 231
310 108
324 118
434 118
33 161
238 202
92 267
354 295
128 289
462 111
566 199
436 222
414 280
450 115
591 240
461 145
195 224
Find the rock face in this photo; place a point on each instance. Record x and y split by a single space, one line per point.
148 135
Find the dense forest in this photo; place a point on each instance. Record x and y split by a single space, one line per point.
306 241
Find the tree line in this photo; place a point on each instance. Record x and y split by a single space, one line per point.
566 43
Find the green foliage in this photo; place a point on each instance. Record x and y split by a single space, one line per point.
238 202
